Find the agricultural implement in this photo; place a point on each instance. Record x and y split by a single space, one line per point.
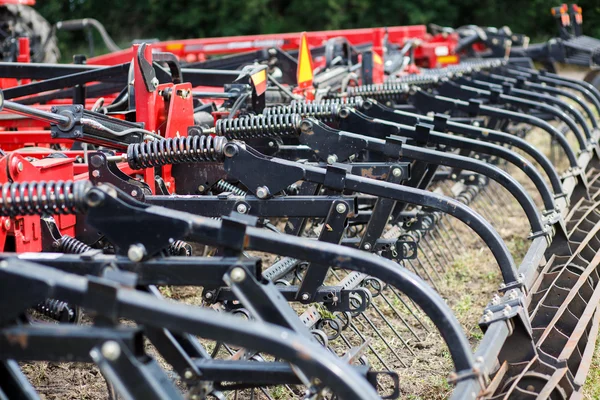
315 192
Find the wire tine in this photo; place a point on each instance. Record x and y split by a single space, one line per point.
445 243
385 342
400 316
387 322
376 354
450 235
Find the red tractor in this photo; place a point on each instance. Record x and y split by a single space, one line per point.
17 20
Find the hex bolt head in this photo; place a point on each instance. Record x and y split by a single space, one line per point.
341 208
262 192
95 173
367 246
111 350
201 188
397 172
237 274
154 82
136 252
208 295
134 193
305 296
242 208
331 159
20 166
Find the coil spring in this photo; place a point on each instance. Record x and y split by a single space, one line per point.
37 198
180 248
58 310
421 79
350 101
175 151
259 126
324 110
379 91
224 186
70 245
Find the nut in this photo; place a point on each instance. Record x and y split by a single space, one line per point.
95 173
242 208
305 296
367 246
397 172
332 159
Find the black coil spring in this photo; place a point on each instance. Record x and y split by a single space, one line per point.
175 151
70 245
224 186
326 110
180 248
259 126
58 310
37 198
380 91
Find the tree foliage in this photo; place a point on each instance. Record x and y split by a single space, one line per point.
181 19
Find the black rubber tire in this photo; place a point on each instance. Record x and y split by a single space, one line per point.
27 21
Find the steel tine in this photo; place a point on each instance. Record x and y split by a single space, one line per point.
400 316
428 261
361 336
445 243
450 235
431 239
426 272
387 322
385 342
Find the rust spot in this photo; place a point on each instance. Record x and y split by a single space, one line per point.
21 340
368 173
246 241
300 349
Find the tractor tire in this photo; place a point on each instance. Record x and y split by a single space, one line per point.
25 21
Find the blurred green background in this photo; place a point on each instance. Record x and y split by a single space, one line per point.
181 19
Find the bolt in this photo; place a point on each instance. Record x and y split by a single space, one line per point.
134 193
136 252
111 350
262 192
208 295
7 224
502 285
507 310
397 172
201 188
188 374
20 166
242 208
476 123
271 144
331 159
341 208
305 296
367 246
453 176
237 274
495 299
154 82
95 173
471 178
